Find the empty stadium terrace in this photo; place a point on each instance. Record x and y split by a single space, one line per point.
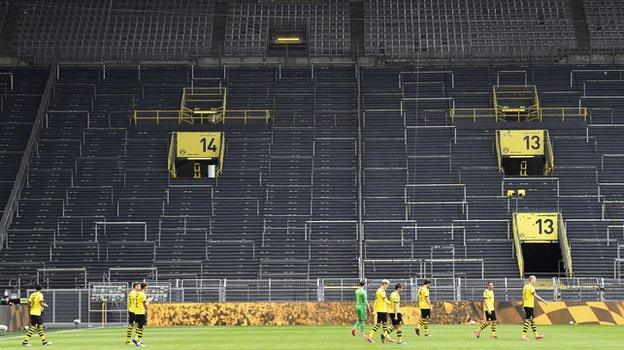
97 194
377 158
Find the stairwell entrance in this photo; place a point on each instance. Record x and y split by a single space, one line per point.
543 259
541 244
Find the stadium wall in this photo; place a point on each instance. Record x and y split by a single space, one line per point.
14 317
341 313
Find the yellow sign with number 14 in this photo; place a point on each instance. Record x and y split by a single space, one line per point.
199 145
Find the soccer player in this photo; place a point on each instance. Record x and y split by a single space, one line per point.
142 301
36 305
396 317
424 303
528 301
362 308
381 310
490 312
132 306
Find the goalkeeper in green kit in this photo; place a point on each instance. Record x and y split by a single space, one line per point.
362 309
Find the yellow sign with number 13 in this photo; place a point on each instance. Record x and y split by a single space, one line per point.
537 226
521 143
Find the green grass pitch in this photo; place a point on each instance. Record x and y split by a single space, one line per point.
324 338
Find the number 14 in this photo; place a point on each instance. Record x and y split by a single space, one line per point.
208 146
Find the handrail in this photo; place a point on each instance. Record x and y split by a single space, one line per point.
222 154
617 267
11 206
170 158
155 114
189 92
187 115
247 115
536 98
425 260
551 155
565 246
518 246
217 114
561 113
499 157
494 103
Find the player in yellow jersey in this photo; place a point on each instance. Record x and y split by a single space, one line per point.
132 306
396 317
381 310
528 301
489 310
36 305
424 304
140 312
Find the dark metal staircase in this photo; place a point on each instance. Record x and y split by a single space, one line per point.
581 30
10 24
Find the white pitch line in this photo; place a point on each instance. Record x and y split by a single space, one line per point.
54 332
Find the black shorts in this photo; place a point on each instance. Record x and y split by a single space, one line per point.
36 321
490 315
131 317
382 317
425 313
528 313
140 320
398 321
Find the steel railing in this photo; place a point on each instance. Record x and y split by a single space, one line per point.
492 114
67 304
20 178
